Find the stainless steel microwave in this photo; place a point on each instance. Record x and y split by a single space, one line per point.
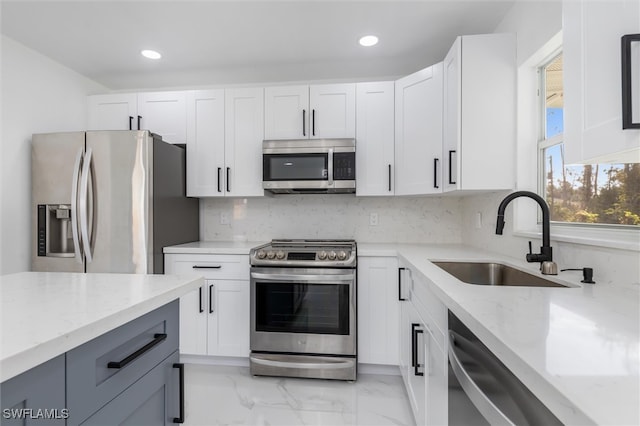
309 166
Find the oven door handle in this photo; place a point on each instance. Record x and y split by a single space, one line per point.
304 365
328 279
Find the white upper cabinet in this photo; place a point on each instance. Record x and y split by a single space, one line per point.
592 32
244 132
333 111
375 138
303 112
205 143
224 149
286 112
113 112
479 107
164 113
418 141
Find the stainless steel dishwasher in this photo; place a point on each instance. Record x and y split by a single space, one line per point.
482 390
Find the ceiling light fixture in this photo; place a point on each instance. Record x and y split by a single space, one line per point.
369 40
151 54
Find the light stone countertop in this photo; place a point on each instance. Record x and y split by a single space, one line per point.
45 314
214 247
576 348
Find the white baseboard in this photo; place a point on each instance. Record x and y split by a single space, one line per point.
384 370
215 360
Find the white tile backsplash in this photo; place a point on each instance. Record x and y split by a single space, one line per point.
400 219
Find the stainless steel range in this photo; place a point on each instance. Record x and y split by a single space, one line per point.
303 309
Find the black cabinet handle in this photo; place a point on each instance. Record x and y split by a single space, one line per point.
131 122
414 354
451 181
200 300
400 284
627 72
139 120
435 172
313 121
414 349
228 187
219 170
180 367
389 177
304 119
157 338
211 298
206 266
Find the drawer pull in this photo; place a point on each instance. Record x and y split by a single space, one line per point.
157 338
180 367
207 266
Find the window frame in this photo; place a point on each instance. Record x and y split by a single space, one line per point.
531 120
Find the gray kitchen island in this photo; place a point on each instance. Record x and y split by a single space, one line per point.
91 348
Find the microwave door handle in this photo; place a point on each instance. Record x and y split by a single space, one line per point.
479 399
330 167
303 277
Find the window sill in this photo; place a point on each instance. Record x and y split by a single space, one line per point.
623 239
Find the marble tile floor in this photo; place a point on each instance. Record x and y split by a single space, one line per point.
223 395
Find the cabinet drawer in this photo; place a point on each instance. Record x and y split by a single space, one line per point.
218 266
430 324
138 346
152 400
436 310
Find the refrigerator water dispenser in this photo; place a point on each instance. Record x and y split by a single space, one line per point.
54 230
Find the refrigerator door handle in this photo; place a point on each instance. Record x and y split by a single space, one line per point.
74 205
84 201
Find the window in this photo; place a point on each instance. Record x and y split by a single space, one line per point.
595 193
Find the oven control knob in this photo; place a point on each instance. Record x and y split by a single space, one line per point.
271 254
261 254
280 255
322 255
342 255
332 255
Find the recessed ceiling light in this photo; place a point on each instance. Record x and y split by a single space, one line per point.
369 40
151 54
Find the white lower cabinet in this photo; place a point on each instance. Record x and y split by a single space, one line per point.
378 310
214 319
423 360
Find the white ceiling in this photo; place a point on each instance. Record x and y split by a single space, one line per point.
222 42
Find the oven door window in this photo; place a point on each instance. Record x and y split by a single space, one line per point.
288 167
302 308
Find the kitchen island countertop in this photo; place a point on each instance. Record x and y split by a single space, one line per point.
45 314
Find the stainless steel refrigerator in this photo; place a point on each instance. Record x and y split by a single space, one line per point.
108 201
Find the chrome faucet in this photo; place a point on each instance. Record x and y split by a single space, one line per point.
545 257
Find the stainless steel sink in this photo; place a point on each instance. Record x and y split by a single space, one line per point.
487 273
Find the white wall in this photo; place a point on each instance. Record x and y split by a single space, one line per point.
536 24
38 95
400 219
